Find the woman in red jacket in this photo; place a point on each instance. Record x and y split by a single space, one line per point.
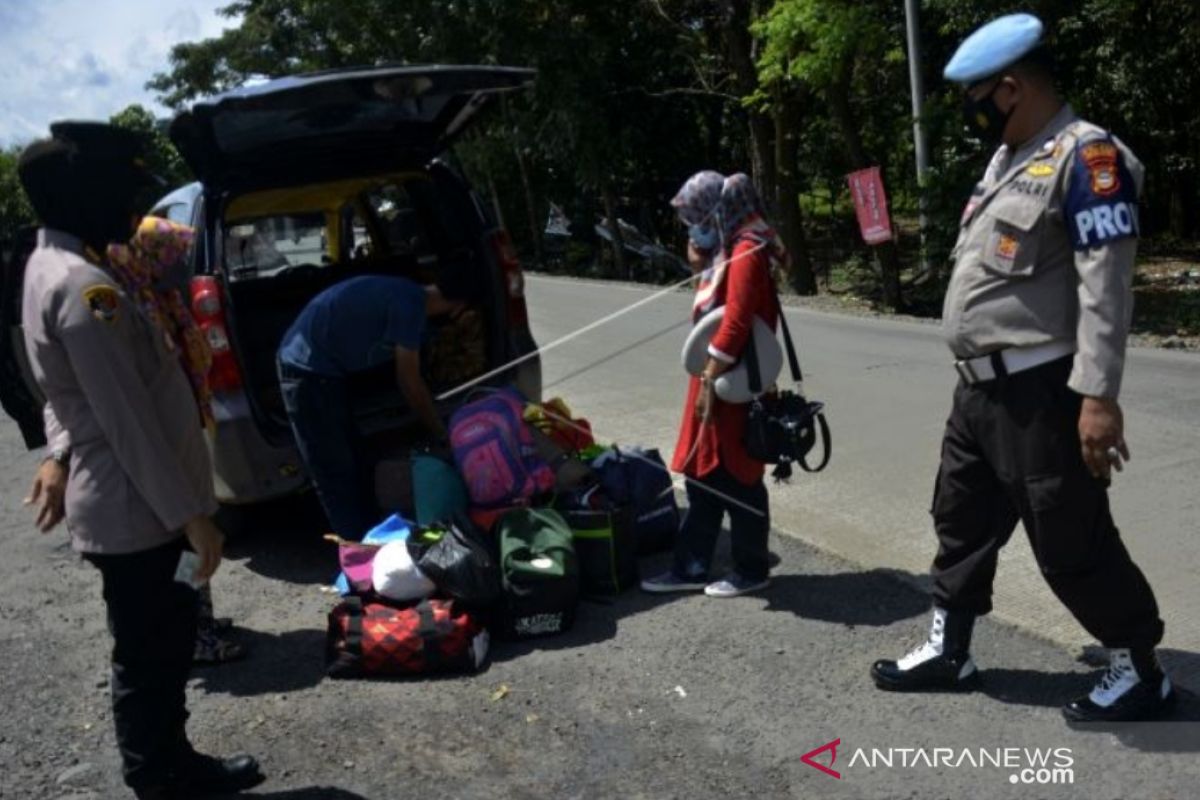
724 219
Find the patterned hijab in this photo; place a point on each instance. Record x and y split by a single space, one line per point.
698 198
146 269
732 205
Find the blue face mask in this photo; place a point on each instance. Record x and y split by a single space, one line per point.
704 237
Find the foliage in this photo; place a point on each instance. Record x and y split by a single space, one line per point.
15 212
633 97
161 156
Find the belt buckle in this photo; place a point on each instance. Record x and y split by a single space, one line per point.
966 371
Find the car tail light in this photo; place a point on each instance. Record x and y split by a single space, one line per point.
514 278
209 311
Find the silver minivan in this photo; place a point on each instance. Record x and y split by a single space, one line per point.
306 181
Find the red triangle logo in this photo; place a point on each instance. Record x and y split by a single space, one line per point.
832 747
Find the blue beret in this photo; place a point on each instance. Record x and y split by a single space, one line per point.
993 47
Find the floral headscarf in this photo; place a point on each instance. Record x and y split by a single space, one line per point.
739 201
145 268
699 197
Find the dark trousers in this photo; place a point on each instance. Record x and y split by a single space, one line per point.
709 500
152 619
1012 452
322 421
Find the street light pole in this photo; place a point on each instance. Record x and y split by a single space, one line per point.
912 23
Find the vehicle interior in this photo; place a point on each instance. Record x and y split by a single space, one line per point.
281 247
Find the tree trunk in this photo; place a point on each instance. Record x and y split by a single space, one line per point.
618 241
535 231
787 201
839 108
742 48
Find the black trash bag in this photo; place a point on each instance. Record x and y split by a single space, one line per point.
461 563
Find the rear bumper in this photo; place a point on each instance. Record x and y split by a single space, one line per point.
246 467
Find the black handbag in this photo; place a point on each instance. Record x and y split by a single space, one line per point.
782 427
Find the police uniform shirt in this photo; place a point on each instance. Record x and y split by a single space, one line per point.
1045 252
119 399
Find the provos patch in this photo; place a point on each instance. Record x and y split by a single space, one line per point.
1100 206
102 301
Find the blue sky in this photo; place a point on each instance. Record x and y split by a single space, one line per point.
87 59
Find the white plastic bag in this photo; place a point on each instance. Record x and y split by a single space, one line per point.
396 577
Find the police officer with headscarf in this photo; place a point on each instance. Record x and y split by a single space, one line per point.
1037 314
121 417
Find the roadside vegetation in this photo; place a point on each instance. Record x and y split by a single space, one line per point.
633 97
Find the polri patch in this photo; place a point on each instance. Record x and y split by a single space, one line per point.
1101 204
102 301
1006 247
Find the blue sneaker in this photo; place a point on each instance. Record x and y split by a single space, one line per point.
734 585
669 582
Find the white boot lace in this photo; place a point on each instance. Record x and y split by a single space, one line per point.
932 647
1119 679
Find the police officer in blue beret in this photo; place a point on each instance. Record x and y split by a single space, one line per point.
1036 315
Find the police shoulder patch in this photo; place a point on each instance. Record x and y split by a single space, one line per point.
1100 205
101 299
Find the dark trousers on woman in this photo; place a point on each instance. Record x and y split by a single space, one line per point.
709 499
152 619
1012 452
322 421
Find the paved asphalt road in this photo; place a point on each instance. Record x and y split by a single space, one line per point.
887 385
646 697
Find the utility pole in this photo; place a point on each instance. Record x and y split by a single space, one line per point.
912 22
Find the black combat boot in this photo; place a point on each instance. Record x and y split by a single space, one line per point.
1134 689
942 663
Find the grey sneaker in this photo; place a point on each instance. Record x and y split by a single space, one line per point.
735 585
669 582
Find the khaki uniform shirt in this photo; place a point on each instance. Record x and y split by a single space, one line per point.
118 398
1046 251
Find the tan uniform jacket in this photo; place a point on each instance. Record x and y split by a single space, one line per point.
1046 252
118 398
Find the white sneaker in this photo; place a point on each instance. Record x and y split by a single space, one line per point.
735 586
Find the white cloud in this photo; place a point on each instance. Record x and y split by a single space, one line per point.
88 59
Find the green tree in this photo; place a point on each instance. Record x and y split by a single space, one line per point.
161 156
15 211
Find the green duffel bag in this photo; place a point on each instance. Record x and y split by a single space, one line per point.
539 574
606 547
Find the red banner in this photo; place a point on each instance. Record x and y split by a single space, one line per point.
870 201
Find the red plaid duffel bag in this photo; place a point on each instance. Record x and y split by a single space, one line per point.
369 639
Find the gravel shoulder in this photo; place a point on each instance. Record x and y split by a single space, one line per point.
648 697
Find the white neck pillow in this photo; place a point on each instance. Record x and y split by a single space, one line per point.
733 385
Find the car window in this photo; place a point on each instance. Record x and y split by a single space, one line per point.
178 212
265 246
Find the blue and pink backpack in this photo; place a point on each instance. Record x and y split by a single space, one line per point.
495 453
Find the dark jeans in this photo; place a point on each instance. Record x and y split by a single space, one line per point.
1011 452
152 619
322 421
709 500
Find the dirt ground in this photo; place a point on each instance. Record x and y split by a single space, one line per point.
647 697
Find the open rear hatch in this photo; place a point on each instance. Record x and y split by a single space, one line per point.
336 123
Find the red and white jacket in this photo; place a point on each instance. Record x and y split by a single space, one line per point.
742 284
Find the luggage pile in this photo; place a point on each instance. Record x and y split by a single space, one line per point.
503 537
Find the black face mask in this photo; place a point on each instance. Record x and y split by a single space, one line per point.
984 118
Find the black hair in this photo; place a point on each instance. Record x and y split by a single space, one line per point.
1038 65
84 180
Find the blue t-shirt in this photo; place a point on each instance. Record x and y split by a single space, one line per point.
356 325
